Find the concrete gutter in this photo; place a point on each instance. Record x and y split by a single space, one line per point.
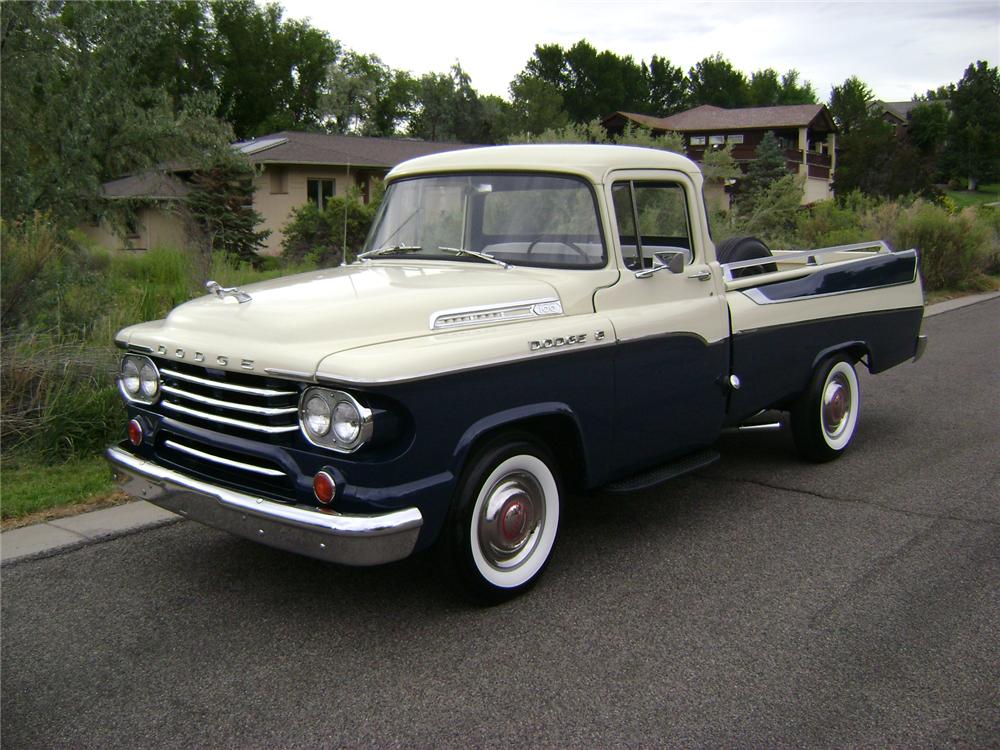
64 534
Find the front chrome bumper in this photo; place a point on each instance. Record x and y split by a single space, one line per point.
921 347
325 535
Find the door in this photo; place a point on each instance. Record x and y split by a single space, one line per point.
672 352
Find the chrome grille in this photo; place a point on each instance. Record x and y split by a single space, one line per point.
234 403
248 472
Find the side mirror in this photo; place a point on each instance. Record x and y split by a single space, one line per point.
671 260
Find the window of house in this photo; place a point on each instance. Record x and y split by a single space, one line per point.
716 140
737 138
320 191
697 140
279 180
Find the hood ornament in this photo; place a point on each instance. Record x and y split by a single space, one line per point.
214 287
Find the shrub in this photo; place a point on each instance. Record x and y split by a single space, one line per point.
58 397
318 236
953 248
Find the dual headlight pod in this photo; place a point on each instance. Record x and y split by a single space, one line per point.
139 379
334 420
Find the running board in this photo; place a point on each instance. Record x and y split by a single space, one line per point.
664 473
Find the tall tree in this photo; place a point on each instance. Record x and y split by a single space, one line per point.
78 108
364 95
271 72
715 81
537 105
592 84
973 149
767 168
850 104
668 90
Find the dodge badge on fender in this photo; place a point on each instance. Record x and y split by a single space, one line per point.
525 322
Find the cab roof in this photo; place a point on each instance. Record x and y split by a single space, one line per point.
589 160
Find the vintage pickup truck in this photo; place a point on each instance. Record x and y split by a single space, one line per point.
524 321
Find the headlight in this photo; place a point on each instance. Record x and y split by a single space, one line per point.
346 422
316 416
130 377
139 380
334 420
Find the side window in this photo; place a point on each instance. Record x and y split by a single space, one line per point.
662 213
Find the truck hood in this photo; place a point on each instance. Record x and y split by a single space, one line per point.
292 323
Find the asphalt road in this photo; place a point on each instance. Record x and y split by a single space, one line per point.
760 602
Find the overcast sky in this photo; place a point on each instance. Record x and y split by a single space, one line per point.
898 48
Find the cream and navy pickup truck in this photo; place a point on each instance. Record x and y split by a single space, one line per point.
524 322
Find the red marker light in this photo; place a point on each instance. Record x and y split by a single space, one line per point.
135 433
324 487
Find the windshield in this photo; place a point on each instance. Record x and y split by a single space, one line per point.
519 219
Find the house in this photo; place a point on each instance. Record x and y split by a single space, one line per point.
292 168
806 132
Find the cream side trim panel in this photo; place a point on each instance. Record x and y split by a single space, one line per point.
747 315
462 350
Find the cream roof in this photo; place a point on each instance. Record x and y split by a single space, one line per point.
591 161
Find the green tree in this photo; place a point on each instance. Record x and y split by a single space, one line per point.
850 104
715 81
973 149
877 163
271 72
767 167
78 108
592 84
364 95
928 126
668 89
221 205
536 105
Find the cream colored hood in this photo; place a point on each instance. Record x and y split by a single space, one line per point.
292 323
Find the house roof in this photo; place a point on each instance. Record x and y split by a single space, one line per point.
708 117
899 110
151 185
294 147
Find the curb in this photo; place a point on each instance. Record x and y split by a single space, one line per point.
65 534
957 304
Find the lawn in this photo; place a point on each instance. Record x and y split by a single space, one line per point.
985 194
30 488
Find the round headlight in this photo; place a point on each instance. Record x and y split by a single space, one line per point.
317 416
130 377
149 380
346 422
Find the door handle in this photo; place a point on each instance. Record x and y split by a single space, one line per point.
703 275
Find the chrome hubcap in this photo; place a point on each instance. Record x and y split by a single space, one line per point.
836 405
513 511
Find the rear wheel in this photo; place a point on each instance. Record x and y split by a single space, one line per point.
825 417
502 527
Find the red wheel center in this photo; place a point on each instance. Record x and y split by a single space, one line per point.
513 519
838 406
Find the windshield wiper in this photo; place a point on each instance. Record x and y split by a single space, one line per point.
388 249
474 254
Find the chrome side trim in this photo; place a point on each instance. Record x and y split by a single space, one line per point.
268 429
223 461
226 386
297 374
486 314
323 534
264 411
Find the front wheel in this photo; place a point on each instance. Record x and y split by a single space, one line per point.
825 417
503 525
